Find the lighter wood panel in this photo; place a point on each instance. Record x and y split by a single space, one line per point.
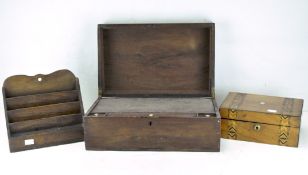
266 118
264 104
269 134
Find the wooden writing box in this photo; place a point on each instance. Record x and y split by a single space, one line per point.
156 89
263 119
42 110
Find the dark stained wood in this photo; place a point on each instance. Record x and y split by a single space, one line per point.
156 89
277 118
45 109
47 137
156 60
45 123
178 124
40 99
165 134
19 85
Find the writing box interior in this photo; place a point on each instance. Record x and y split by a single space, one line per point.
156 89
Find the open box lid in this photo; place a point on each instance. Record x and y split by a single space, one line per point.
151 60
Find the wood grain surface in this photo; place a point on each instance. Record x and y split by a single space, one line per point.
260 118
40 99
19 85
156 59
165 134
45 123
156 89
47 137
269 134
264 104
45 109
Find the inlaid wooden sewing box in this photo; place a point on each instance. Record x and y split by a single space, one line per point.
42 110
260 118
156 89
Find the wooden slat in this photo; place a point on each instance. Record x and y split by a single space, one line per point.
41 99
45 123
43 111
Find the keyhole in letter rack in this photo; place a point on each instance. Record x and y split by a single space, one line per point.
150 123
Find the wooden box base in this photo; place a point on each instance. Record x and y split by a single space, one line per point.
165 124
269 134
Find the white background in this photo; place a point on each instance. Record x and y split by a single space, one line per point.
261 47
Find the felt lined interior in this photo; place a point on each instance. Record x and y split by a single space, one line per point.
172 105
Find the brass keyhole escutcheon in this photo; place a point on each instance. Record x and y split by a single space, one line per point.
257 127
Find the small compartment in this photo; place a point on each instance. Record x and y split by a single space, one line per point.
45 123
47 137
40 99
38 112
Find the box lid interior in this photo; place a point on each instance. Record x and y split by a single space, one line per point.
156 60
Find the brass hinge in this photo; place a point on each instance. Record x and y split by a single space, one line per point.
284 130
